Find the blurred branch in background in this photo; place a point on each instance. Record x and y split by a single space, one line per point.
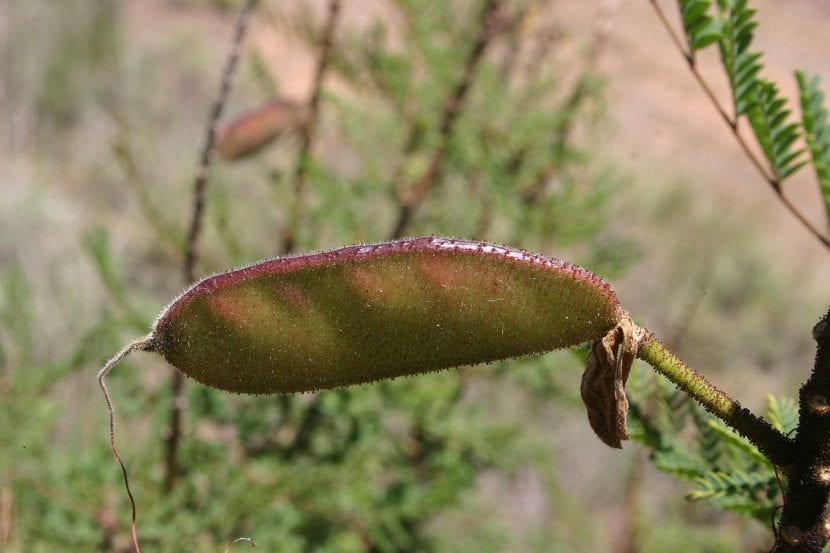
308 130
411 194
192 245
732 29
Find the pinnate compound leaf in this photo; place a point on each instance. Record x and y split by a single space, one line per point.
736 491
701 28
737 27
723 468
710 445
679 463
738 442
365 313
816 131
770 120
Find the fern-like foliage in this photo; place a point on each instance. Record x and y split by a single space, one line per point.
816 130
733 28
782 413
738 446
720 466
710 446
731 24
770 119
742 66
736 491
700 27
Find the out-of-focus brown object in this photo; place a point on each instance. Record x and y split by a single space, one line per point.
253 130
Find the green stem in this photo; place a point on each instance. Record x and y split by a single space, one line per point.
776 447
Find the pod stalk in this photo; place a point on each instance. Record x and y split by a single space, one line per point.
771 443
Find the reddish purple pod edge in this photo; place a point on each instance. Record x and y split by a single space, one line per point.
365 313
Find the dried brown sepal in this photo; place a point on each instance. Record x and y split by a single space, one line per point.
603 382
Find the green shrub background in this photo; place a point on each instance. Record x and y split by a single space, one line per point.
106 104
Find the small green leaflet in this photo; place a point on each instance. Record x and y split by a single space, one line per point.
769 117
741 65
816 131
700 27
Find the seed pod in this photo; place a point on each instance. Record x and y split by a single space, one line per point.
255 129
365 313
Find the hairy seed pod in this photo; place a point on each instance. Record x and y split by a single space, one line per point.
255 129
365 313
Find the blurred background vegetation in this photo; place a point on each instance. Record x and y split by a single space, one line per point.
580 136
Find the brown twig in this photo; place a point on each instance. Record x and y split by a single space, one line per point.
122 150
452 107
308 130
6 505
171 443
546 38
311 417
514 30
579 93
629 538
411 195
308 133
772 180
561 135
485 215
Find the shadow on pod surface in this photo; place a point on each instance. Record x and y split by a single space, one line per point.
365 313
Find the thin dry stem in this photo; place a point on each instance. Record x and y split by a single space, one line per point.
413 194
533 193
202 170
136 345
577 97
514 30
546 38
629 538
562 133
308 130
6 502
191 248
769 176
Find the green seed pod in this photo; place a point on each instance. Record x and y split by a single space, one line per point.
365 313
255 129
